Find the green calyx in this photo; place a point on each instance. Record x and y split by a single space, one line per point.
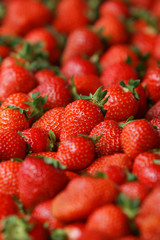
51 161
100 174
2 10
74 89
50 4
156 161
21 110
52 138
98 98
94 139
129 120
131 177
59 234
19 204
10 41
93 12
16 160
132 84
16 228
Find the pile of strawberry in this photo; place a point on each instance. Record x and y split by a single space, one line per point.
80 120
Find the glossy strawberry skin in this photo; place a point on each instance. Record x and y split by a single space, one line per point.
37 139
12 145
110 215
156 122
154 112
7 206
44 75
13 120
76 152
94 193
57 92
15 79
80 117
4 51
138 136
39 185
121 104
77 66
8 177
81 42
109 143
117 159
93 234
52 120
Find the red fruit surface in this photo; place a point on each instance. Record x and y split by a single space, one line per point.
154 112
7 206
44 75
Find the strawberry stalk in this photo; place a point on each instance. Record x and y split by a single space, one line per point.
94 139
2 11
59 234
9 41
52 138
51 161
132 84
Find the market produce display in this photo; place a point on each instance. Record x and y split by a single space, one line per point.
80 120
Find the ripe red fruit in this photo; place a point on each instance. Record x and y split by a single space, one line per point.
44 75
12 145
156 122
109 220
77 202
93 234
41 184
9 177
4 51
81 42
154 112
138 136
15 79
109 143
51 120
77 66
7 206
117 159
76 152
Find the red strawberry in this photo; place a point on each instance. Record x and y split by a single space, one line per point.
155 8
83 115
129 238
12 145
105 219
49 43
37 139
113 28
76 152
57 92
81 197
42 213
156 52
51 120
117 159
41 184
81 42
4 51
13 119
114 7
156 122
78 67
44 75
134 190
141 3
138 136
8 177
74 11
7 206
93 234
123 101
154 112
73 231
44 154
118 53
86 84
109 143
117 72
15 79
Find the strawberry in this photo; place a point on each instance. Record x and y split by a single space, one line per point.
12 145
123 101
141 3
74 231
57 92
21 22
74 11
113 28
109 143
86 84
153 83
14 119
49 43
116 72
8 177
81 42
114 7
77 202
156 123
52 120
42 212
129 238
156 52
77 152
44 75
155 8
37 139
78 66
83 115
138 136
154 112
134 190
15 79
117 159
7 206
93 234
14 227
41 184
117 53
105 219
4 51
